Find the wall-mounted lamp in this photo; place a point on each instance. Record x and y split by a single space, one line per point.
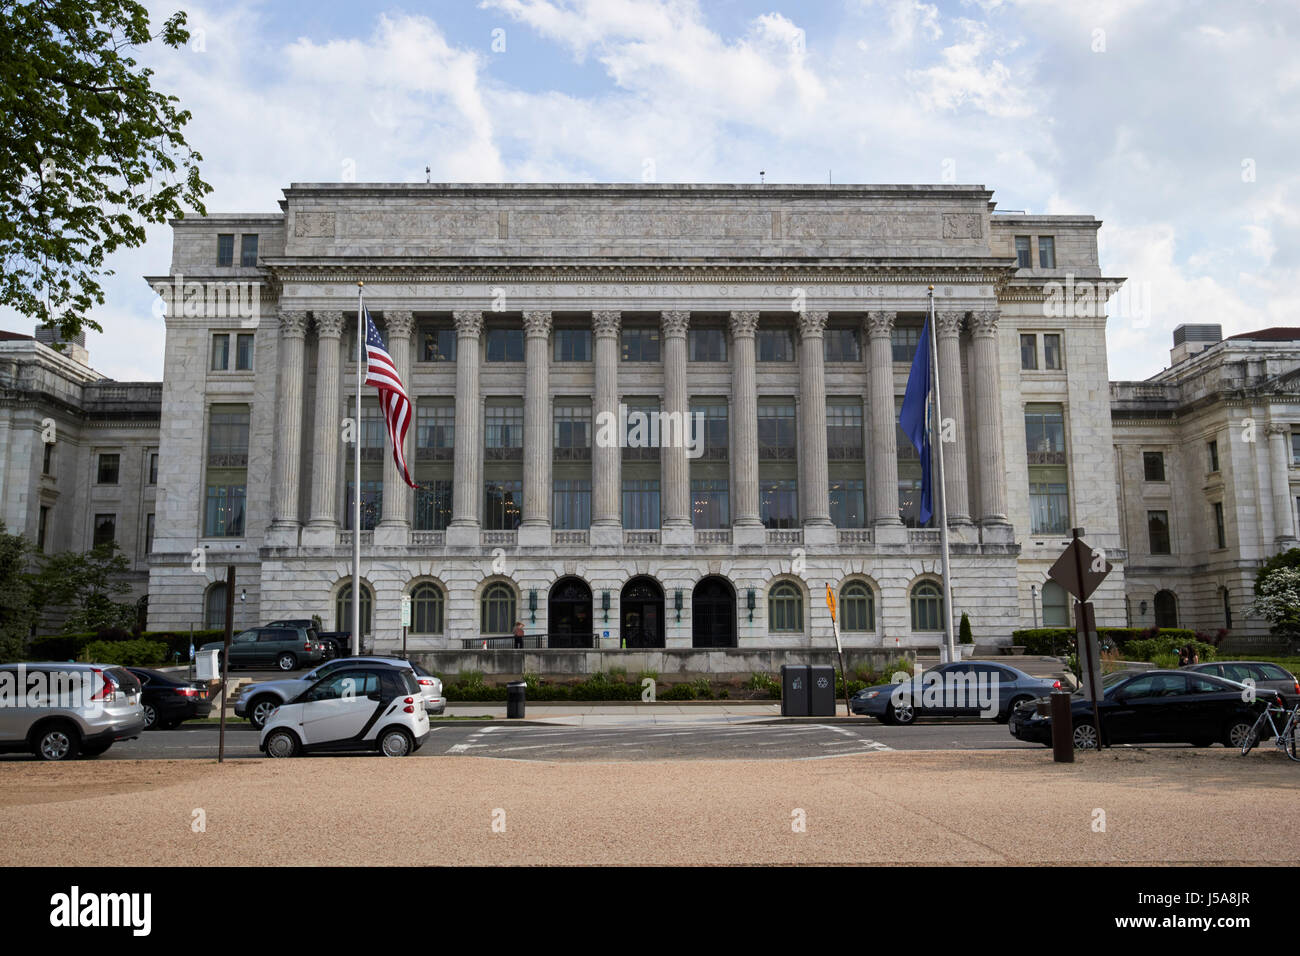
1142 608
749 599
532 605
677 603
604 604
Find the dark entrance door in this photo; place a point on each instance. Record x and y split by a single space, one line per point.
713 613
642 613
569 614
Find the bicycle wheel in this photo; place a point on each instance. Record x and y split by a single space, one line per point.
1253 736
1288 743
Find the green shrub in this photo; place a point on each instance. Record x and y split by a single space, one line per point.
963 630
765 683
679 692
133 653
1059 641
618 674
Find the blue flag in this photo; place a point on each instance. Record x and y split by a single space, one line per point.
914 418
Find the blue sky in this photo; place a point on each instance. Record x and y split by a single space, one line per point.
1174 122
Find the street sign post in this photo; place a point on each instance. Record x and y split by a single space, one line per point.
406 620
839 648
1080 570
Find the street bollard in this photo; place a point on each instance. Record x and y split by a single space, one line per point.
1062 727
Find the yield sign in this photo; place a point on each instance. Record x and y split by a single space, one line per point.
1078 570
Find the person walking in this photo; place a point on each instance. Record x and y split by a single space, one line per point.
519 635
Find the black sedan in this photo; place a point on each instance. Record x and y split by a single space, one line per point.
1152 707
167 701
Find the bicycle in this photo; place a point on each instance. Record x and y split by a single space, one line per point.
1285 737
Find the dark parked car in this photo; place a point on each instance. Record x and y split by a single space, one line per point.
959 689
1152 707
287 648
329 640
1265 675
167 700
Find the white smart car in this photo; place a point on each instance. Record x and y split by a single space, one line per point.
370 706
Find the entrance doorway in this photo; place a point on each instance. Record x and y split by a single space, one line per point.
713 613
641 613
569 614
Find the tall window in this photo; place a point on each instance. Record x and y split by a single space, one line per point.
244 352
1029 352
639 343
706 344
1212 452
641 503
105 529
848 506
153 468
1056 605
225 250
1295 447
343 608
109 466
857 607
1024 259
503 507
710 503
778 500
572 345
785 608
776 430
1049 499
642 440
228 436
435 431
372 504
1046 252
427 605
43 526
224 516
572 426
715 440
927 607
903 341
433 502
1158 531
1220 532
148 533
841 344
1052 351
437 343
844 431
505 345
571 504
248 250
497 610
1166 609
1153 465
221 352
214 607
774 345
504 438
47 463
227 470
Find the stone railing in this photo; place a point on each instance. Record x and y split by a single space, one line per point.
570 537
855 536
640 537
713 536
345 539
506 538
785 536
922 536
429 539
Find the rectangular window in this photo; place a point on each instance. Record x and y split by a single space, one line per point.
640 344
505 345
903 342
433 505
1212 450
1029 352
573 345
148 533
1295 448
774 345
228 436
776 430
109 466
715 439
842 344
372 504
437 343
1052 351
1049 503
435 431
153 468
220 352
641 503
844 432
848 507
225 250
504 438
503 507
1049 497
707 345
571 504
778 501
47 464
42 525
642 439
224 516
572 432
1045 434
1023 257
1158 531
909 496
1221 536
1046 252
248 250
105 529
710 503
1153 465
244 352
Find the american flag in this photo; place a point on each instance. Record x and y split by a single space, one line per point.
382 373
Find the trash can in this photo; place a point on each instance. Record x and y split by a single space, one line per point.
794 690
821 691
516 695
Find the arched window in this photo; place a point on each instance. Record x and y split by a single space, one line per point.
857 607
1166 609
1056 606
343 608
214 608
497 610
785 608
927 607
426 609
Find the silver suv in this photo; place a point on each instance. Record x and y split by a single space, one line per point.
59 711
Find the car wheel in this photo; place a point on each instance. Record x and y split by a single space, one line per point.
260 709
1237 733
902 715
396 743
1005 718
1085 735
96 750
286 662
59 741
281 743
150 716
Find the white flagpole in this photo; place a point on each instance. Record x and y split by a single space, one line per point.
356 489
937 451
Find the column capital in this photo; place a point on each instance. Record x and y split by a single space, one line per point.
743 324
879 324
948 323
293 324
1277 428
329 325
812 324
537 324
399 322
674 322
606 323
468 322
984 323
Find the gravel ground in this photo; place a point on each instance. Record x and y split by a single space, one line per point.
973 807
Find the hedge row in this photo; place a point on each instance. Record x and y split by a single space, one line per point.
71 647
1130 641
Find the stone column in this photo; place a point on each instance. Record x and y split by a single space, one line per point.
285 524
1280 461
988 430
814 474
677 527
948 326
746 525
535 528
394 526
322 527
606 522
884 429
467 484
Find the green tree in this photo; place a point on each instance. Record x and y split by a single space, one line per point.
85 583
90 152
963 630
17 612
1278 600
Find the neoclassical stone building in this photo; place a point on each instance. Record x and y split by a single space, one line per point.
783 319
